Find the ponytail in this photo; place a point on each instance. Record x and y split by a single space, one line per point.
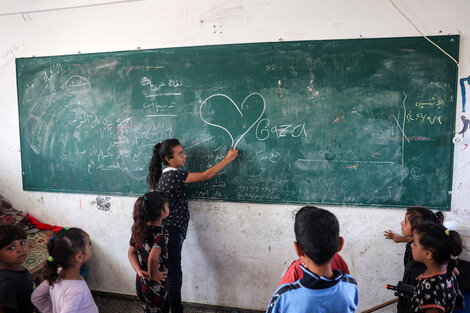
147 208
155 167
52 271
455 246
139 228
161 152
439 217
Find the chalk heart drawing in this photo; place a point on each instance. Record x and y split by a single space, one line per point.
238 112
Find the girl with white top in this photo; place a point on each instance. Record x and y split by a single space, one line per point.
64 290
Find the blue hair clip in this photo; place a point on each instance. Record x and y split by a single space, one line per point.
52 238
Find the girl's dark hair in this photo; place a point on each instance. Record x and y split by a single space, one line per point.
62 247
419 214
10 233
161 151
445 244
147 208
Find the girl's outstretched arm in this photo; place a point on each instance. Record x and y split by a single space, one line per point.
154 264
396 237
132 254
208 174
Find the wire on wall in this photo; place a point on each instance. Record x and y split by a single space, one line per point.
419 31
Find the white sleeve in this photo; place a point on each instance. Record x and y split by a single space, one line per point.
41 298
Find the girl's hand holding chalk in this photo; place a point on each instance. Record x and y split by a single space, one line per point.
231 154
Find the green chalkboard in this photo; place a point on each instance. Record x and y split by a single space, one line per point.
358 122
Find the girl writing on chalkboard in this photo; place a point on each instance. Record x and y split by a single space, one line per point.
148 250
173 183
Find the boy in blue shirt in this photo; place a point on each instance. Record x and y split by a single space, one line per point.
321 289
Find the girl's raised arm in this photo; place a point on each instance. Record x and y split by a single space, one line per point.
389 234
208 174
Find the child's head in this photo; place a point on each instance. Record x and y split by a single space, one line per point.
317 233
432 241
416 215
148 208
13 247
162 153
66 248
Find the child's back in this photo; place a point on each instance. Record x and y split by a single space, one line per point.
65 296
321 289
317 294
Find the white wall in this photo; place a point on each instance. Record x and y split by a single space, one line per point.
235 253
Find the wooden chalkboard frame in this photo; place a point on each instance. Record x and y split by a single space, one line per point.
46 84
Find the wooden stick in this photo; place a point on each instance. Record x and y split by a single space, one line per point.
375 308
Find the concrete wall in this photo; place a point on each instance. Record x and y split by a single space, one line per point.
235 253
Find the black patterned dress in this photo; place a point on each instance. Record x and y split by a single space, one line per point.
435 292
151 294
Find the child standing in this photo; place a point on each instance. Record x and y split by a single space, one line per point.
414 216
321 289
16 283
173 183
437 248
65 290
148 250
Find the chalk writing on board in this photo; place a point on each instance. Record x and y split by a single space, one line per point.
401 129
423 117
152 91
89 122
240 110
263 130
77 84
433 102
